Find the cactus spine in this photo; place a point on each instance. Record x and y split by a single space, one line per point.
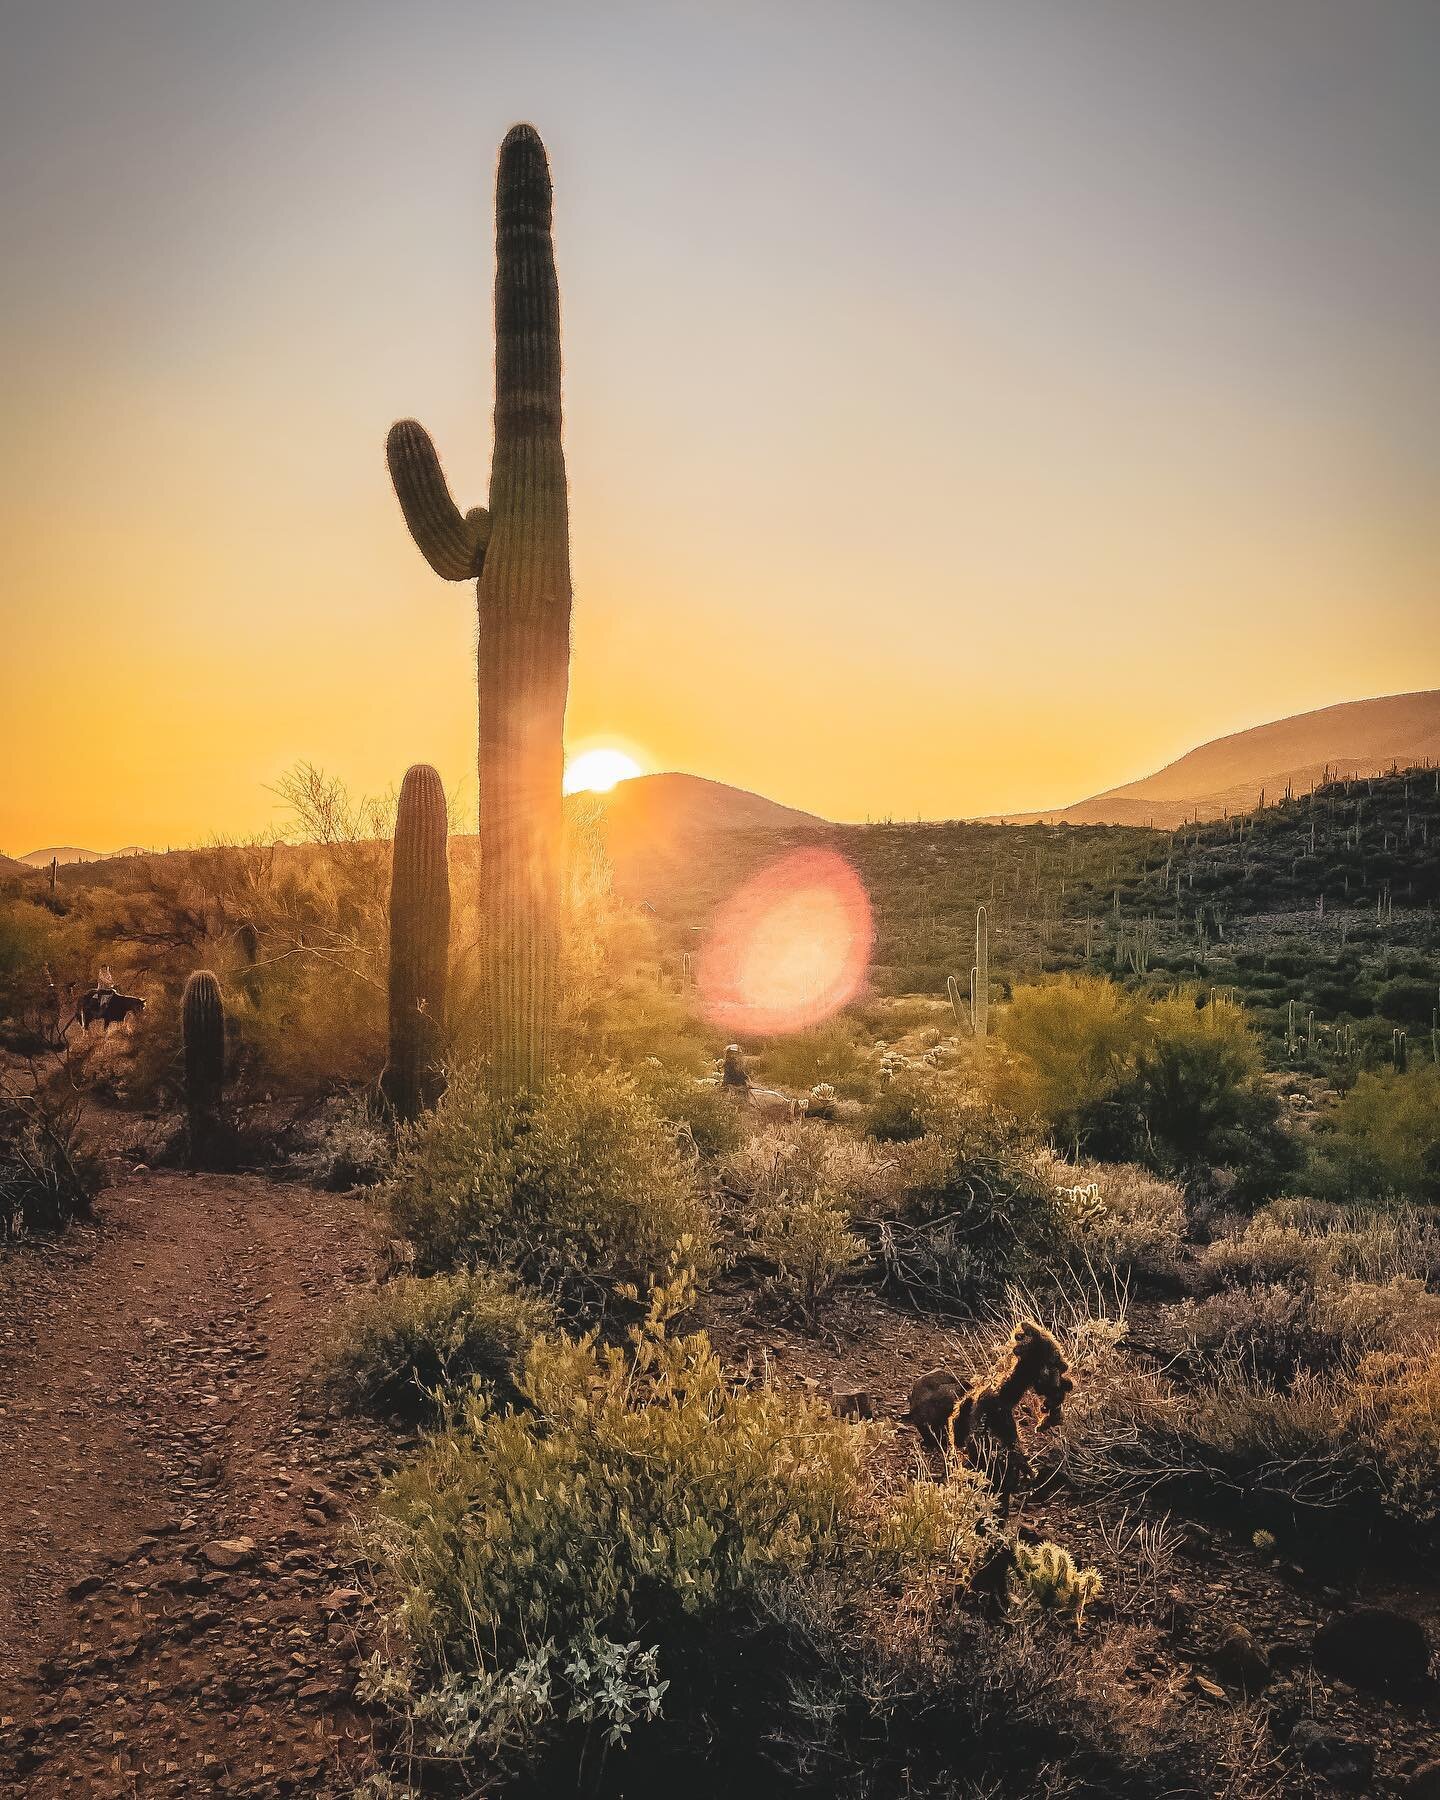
202 1038
419 944
980 975
520 552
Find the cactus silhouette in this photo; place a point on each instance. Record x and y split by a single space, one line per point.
519 553
202 1038
419 944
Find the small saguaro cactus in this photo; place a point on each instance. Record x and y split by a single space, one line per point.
518 552
419 944
202 1038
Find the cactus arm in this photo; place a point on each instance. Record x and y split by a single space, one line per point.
452 542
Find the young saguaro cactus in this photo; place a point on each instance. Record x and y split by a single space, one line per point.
518 552
202 1039
419 944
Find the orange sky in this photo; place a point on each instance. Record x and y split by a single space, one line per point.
968 408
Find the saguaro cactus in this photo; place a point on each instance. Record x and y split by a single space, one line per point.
202 1038
419 944
980 975
520 552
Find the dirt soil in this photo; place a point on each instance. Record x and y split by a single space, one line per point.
182 1608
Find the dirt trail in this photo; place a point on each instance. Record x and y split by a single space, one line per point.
180 1610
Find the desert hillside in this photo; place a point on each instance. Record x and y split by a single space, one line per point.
1361 737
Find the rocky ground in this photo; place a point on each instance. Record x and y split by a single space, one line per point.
1330 1663
182 1602
181 1606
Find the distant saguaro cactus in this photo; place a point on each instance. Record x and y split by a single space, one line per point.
202 1038
419 944
520 552
980 975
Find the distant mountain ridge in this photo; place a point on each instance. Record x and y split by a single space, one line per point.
68 853
1227 775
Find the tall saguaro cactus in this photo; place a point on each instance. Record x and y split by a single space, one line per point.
202 1040
519 553
980 975
419 943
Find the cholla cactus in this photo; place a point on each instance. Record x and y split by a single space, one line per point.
1048 1577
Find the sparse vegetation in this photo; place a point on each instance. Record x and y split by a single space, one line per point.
402 1350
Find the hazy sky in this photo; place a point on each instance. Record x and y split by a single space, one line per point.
971 405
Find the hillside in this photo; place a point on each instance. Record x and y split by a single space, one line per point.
660 828
68 853
1361 737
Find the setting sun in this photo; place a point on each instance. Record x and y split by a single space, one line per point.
596 771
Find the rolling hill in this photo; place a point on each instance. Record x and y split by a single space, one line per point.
1361 737
67 853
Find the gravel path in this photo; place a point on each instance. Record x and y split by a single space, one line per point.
181 1610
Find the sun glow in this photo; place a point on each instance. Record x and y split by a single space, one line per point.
596 771
790 948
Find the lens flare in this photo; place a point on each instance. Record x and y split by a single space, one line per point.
789 948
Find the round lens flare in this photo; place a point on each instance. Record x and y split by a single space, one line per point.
596 771
789 948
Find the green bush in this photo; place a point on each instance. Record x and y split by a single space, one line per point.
400 1348
1383 1138
580 1192
702 1108
830 1052
626 1516
1070 1043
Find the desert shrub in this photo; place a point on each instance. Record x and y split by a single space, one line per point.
1069 1044
345 1147
1408 1000
811 1246
580 1191
831 1053
48 1176
1383 1138
917 1695
1394 1404
629 1512
701 1108
1279 1328
1195 1096
1172 1085
1137 1224
797 1187
973 1205
1308 1242
400 1347
897 1113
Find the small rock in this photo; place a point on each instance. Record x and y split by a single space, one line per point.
1343 1762
1212 1688
87 1584
1239 1656
1374 1646
229 1553
1424 1783
852 1403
